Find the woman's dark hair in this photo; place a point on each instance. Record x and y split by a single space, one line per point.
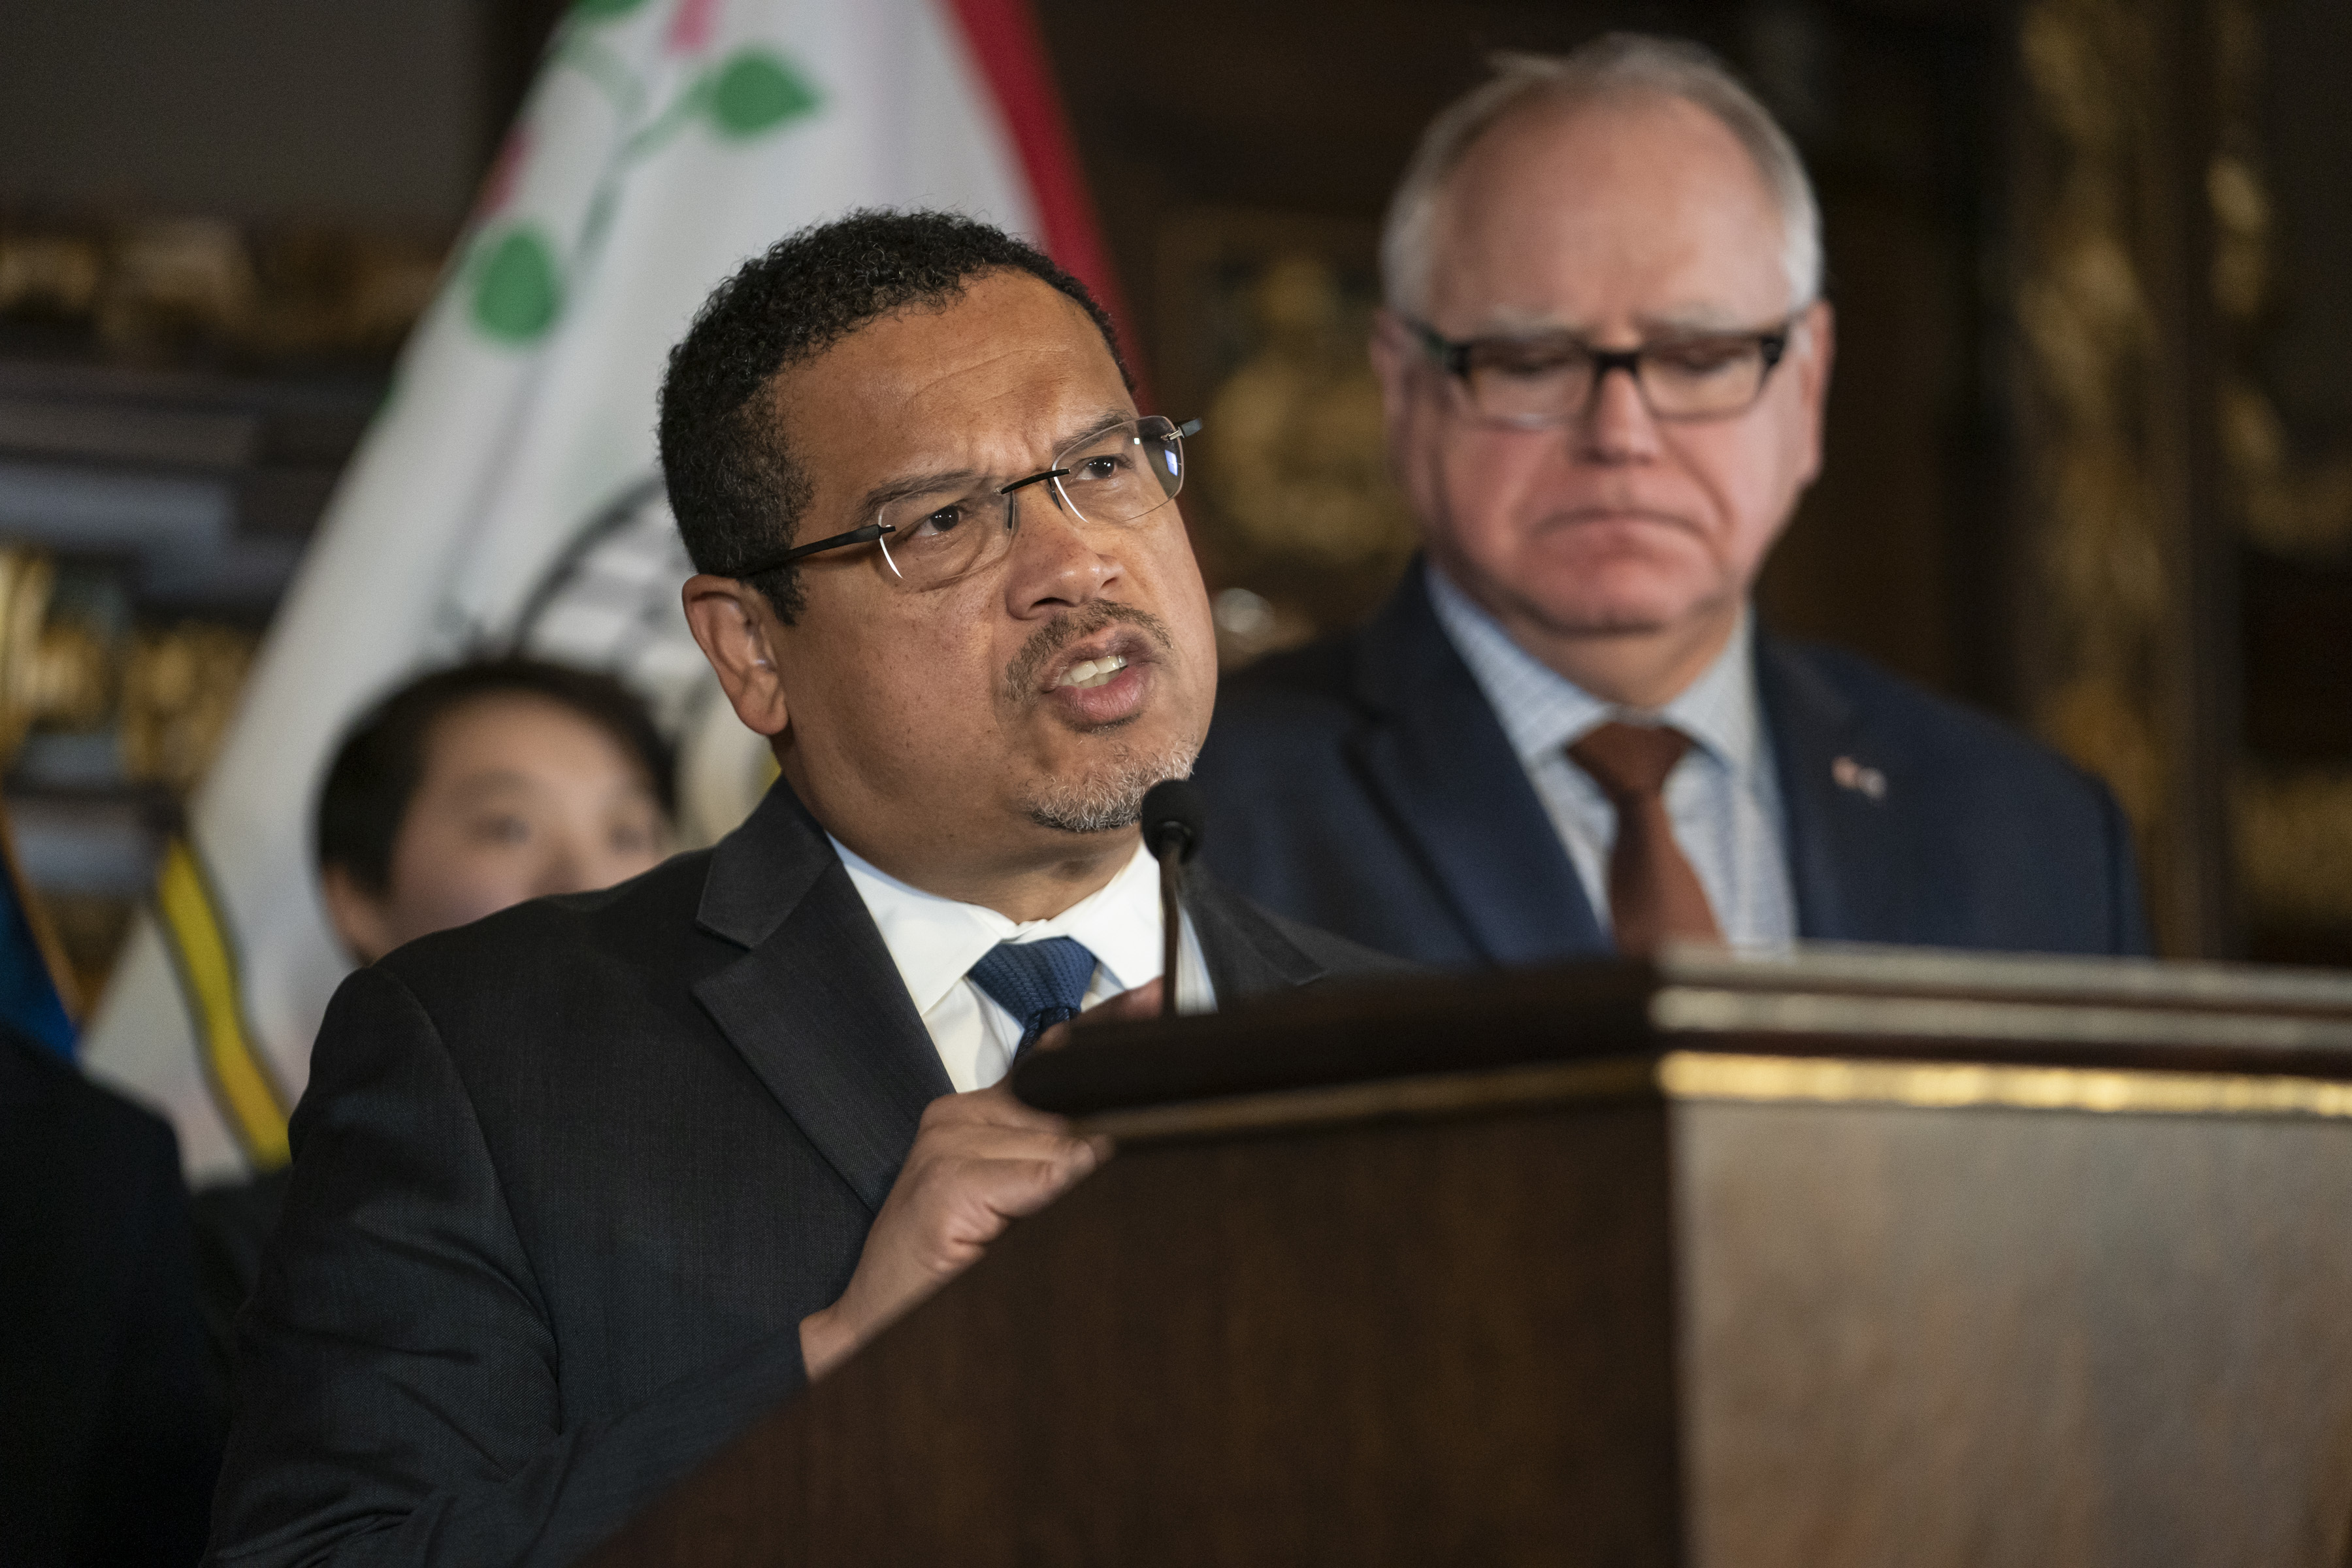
381 761
734 484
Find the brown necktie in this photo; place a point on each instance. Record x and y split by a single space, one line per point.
1653 894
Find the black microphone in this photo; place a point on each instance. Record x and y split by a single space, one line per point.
1172 815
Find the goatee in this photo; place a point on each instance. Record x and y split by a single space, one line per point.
1111 796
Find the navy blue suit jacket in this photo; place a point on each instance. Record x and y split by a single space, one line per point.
1364 785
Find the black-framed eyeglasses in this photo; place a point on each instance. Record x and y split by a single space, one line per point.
1550 378
931 538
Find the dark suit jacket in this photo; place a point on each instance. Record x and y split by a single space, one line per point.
1365 786
109 1433
566 1182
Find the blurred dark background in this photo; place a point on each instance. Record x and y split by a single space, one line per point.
2090 449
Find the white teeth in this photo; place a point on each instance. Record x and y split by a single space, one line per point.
1092 671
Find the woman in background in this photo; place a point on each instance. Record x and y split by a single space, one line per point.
465 792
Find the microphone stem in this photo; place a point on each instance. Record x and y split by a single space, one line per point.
1171 921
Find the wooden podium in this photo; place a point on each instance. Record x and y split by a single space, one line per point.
1855 1259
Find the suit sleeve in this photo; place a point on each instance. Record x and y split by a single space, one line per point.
398 1379
151 1475
2130 937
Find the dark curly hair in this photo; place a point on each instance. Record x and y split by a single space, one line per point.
365 797
734 486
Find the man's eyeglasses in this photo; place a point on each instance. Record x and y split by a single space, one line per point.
1550 378
932 538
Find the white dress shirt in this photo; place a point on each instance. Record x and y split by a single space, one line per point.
935 942
1723 797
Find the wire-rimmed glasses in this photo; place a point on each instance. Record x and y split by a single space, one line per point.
937 535
1543 379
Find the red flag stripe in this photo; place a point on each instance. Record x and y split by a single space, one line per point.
690 26
1003 39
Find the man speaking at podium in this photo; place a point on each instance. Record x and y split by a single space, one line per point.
582 1190
1603 359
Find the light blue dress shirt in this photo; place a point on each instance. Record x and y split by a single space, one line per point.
1723 797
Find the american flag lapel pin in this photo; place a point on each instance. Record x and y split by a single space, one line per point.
1862 781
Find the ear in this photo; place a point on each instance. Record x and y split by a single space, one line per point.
1816 350
1395 359
361 922
735 625
1395 362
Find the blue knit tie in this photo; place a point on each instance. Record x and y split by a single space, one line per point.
1039 982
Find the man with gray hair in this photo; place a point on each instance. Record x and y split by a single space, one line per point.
1565 734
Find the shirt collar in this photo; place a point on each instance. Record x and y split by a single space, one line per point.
936 940
1719 709
1542 711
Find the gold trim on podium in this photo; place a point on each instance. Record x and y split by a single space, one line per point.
2108 1021
1944 1086
1720 1077
1398 1098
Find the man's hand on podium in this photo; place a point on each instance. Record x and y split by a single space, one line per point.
980 1162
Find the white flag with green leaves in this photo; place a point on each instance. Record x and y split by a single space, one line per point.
508 496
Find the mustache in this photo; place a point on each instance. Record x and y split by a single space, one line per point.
1021 675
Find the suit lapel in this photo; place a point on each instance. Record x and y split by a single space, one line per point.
816 1005
1436 755
1246 953
1845 803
